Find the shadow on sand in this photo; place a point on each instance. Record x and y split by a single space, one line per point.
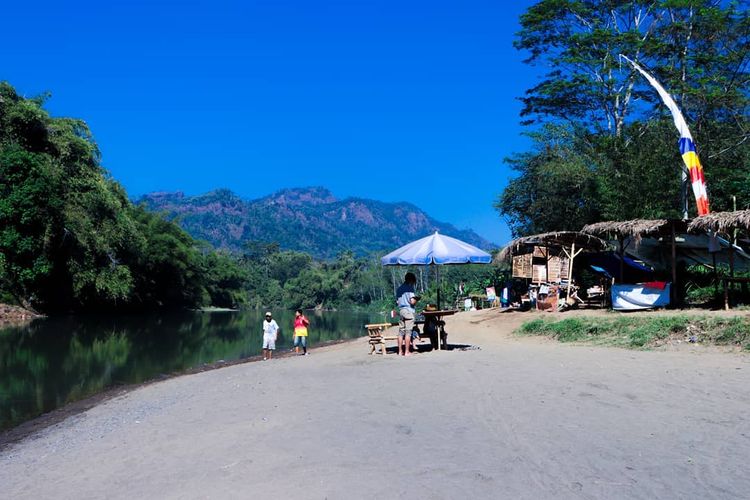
424 348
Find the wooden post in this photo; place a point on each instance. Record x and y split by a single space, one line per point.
728 283
716 273
674 265
571 256
621 239
734 232
726 295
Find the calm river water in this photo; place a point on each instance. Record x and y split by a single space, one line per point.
53 361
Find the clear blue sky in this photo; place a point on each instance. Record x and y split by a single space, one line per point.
392 101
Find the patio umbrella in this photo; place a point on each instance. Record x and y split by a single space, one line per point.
436 249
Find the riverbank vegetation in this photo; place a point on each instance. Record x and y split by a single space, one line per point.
644 331
70 239
279 278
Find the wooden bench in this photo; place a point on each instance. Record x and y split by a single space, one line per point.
377 336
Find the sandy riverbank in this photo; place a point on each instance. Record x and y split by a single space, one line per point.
517 418
15 315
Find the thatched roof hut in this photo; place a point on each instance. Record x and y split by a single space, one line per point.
635 228
721 222
565 239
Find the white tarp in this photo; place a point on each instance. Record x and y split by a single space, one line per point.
636 297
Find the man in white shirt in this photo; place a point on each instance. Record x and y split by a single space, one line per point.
270 332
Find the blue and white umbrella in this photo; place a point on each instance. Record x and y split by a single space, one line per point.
436 249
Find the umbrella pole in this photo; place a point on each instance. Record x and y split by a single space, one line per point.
437 283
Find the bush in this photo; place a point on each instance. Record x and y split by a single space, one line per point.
640 332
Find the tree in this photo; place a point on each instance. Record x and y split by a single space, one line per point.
697 48
556 186
28 213
59 206
70 239
225 279
618 133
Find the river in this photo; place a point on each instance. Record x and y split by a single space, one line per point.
53 361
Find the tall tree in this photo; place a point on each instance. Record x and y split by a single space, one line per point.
69 237
555 188
699 50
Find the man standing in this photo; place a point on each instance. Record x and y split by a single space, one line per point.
406 299
270 332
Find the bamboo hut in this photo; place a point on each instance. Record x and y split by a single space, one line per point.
562 239
571 243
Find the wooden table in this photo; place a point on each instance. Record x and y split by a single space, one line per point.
438 315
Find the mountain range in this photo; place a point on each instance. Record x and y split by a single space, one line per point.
310 220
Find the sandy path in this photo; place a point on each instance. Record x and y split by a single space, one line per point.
520 418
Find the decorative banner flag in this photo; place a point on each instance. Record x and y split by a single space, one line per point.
687 146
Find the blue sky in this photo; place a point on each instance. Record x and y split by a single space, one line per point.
393 101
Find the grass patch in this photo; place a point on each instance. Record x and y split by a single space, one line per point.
642 331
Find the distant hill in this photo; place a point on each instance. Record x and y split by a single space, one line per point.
311 220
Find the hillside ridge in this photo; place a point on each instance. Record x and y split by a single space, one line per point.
309 219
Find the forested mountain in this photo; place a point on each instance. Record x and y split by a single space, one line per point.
308 220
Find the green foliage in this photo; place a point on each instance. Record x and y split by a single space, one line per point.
28 214
726 331
643 331
607 148
646 332
293 280
566 330
555 189
71 240
224 280
697 49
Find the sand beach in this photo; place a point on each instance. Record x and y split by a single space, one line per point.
508 417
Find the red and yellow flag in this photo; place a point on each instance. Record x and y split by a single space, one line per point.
687 146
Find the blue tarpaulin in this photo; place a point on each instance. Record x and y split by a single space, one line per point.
608 263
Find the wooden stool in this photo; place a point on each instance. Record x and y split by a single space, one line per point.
377 337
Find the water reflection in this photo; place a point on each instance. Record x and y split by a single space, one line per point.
53 361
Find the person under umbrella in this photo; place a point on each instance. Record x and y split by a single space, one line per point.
435 249
406 299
